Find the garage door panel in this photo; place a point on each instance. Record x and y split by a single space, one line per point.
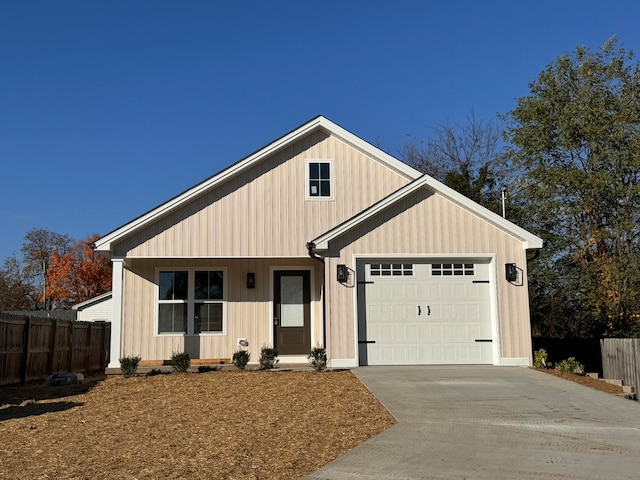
421 318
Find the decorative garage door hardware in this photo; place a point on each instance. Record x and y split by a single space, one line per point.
484 340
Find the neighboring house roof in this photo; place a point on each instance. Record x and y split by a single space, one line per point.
91 301
529 240
105 243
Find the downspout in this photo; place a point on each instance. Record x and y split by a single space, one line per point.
311 250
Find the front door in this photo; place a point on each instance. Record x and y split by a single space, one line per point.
292 312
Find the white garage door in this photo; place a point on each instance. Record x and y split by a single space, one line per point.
425 313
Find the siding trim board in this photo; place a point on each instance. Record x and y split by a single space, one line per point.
254 216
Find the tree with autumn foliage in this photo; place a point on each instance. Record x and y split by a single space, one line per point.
78 275
576 139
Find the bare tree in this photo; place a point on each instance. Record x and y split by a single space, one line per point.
468 158
37 249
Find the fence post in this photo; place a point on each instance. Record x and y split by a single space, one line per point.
52 347
88 351
71 347
24 365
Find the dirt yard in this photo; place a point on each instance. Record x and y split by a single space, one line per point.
222 425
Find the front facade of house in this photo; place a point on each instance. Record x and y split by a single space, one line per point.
320 239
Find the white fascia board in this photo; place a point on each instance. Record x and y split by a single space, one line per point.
91 301
529 240
322 242
366 147
104 243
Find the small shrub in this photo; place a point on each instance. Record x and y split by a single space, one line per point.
180 361
207 368
540 359
570 365
241 358
268 358
156 371
318 358
129 366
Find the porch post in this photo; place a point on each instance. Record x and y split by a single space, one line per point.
116 314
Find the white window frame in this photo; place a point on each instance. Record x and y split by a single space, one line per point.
391 270
453 269
191 301
307 184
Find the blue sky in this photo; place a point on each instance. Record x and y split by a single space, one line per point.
107 109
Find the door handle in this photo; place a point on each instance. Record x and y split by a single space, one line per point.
428 310
419 310
275 321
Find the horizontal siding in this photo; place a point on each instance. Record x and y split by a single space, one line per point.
249 311
263 212
99 311
428 224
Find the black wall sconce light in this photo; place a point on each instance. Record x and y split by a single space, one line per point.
251 280
511 272
343 273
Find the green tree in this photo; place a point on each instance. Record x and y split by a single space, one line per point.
576 137
16 293
468 158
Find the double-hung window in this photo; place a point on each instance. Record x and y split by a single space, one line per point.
319 179
191 301
209 291
173 301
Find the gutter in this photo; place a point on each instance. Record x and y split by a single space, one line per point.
311 251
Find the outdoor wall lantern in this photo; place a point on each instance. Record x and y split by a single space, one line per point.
511 272
343 273
251 280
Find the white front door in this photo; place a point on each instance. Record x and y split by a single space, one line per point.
425 313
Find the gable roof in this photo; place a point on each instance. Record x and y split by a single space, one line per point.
105 243
87 303
528 239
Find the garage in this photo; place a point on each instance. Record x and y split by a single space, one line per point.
418 312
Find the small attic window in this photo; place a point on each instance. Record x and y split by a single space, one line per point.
319 180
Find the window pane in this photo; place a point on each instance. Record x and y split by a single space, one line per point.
208 285
173 285
314 171
208 317
172 318
324 170
325 188
291 301
314 188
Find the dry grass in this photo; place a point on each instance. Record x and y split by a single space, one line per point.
223 425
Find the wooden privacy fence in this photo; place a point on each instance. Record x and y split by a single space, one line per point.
32 348
621 360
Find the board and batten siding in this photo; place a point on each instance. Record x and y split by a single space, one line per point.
248 310
263 211
429 224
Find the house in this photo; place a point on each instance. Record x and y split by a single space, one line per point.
96 309
321 239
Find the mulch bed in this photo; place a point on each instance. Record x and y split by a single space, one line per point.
223 425
586 380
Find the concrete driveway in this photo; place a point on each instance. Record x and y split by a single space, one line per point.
494 423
